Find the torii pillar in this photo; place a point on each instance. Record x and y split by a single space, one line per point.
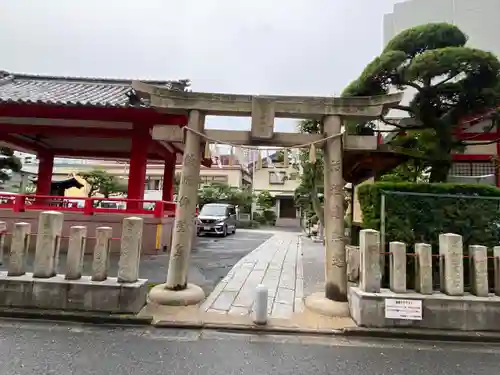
177 291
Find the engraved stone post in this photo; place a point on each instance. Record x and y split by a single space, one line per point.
186 205
3 229
100 263
496 261
451 251
369 247
336 272
479 270
19 249
423 268
398 267
130 250
48 242
76 251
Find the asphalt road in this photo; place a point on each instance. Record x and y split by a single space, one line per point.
211 259
47 348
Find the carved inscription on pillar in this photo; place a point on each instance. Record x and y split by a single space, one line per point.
262 117
181 226
190 160
184 201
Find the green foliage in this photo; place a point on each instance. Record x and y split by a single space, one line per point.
259 218
269 216
101 182
247 224
308 195
223 193
450 81
265 200
8 164
443 208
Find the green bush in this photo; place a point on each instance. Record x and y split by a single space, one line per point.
269 216
247 224
259 218
441 208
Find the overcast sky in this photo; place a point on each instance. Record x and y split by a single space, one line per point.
289 47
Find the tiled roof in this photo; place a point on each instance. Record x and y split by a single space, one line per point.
93 92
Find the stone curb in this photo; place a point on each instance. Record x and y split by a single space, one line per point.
74 316
245 328
132 320
389 333
422 334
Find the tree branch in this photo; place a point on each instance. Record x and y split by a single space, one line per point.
445 80
400 127
414 85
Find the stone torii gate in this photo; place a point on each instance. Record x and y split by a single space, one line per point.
262 110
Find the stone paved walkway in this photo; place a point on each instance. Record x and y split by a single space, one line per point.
277 264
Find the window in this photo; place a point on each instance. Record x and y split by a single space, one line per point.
277 178
472 169
213 179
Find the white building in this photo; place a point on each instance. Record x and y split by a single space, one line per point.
479 19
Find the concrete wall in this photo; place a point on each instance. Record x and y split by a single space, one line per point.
92 222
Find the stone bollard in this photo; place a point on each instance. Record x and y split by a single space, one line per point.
19 249
398 267
48 242
423 268
76 251
130 250
100 263
3 230
352 257
452 254
496 261
369 248
479 270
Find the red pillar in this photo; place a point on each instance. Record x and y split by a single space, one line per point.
498 156
168 179
138 162
45 166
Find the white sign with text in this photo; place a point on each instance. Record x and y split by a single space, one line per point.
404 309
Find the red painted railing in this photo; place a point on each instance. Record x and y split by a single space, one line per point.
87 206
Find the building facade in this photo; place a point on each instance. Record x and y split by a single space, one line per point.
234 175
280 181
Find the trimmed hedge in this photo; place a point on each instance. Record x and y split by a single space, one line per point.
442 208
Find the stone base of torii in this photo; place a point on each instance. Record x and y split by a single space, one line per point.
262 110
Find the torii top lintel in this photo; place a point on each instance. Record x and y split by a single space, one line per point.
300 107
265 108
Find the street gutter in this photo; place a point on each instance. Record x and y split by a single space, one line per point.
354 332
